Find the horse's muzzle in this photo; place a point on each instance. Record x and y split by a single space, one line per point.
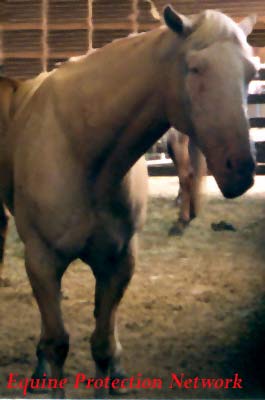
237 187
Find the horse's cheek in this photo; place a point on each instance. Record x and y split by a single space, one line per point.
195 88
196 91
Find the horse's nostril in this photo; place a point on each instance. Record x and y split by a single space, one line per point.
247 167
241 167
229 164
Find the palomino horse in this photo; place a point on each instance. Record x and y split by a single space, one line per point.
190 166
71 177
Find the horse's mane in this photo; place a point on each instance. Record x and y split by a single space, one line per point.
211 26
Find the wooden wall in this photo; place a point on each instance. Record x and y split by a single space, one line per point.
35 34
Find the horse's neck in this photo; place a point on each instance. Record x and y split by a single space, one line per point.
134 105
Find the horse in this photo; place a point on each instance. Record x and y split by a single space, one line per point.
74 177
191 167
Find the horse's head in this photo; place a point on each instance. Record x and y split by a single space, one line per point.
217 69
8 87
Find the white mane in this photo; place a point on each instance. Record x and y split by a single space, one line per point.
211 26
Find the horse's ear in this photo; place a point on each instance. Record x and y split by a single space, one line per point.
247 24
177 22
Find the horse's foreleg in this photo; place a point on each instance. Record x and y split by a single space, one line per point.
199 168
178 151
110 286
3 232
45 270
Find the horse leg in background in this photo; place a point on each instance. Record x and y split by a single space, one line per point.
178 150
45 270
199 168
110 286
3 232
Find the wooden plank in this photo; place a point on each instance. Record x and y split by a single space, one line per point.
109 26
260 149
257 122
102 37
32 55
21 10
22 69
256 98
112 11
21 41
237 7
111 20
22 55
260 75
74 41
67 10
170 170
257 38
260 170
9 26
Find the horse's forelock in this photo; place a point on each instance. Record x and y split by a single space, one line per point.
211 26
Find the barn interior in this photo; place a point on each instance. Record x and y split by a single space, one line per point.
196 304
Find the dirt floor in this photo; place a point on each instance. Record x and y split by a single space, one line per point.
196 304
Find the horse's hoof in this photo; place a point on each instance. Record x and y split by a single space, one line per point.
4 282
175 231
101 394
38 391
118 391
58 394
178 228
41 369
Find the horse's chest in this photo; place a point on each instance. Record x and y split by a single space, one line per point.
110 233
94 234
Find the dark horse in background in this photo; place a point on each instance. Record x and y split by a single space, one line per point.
71 168
191 167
